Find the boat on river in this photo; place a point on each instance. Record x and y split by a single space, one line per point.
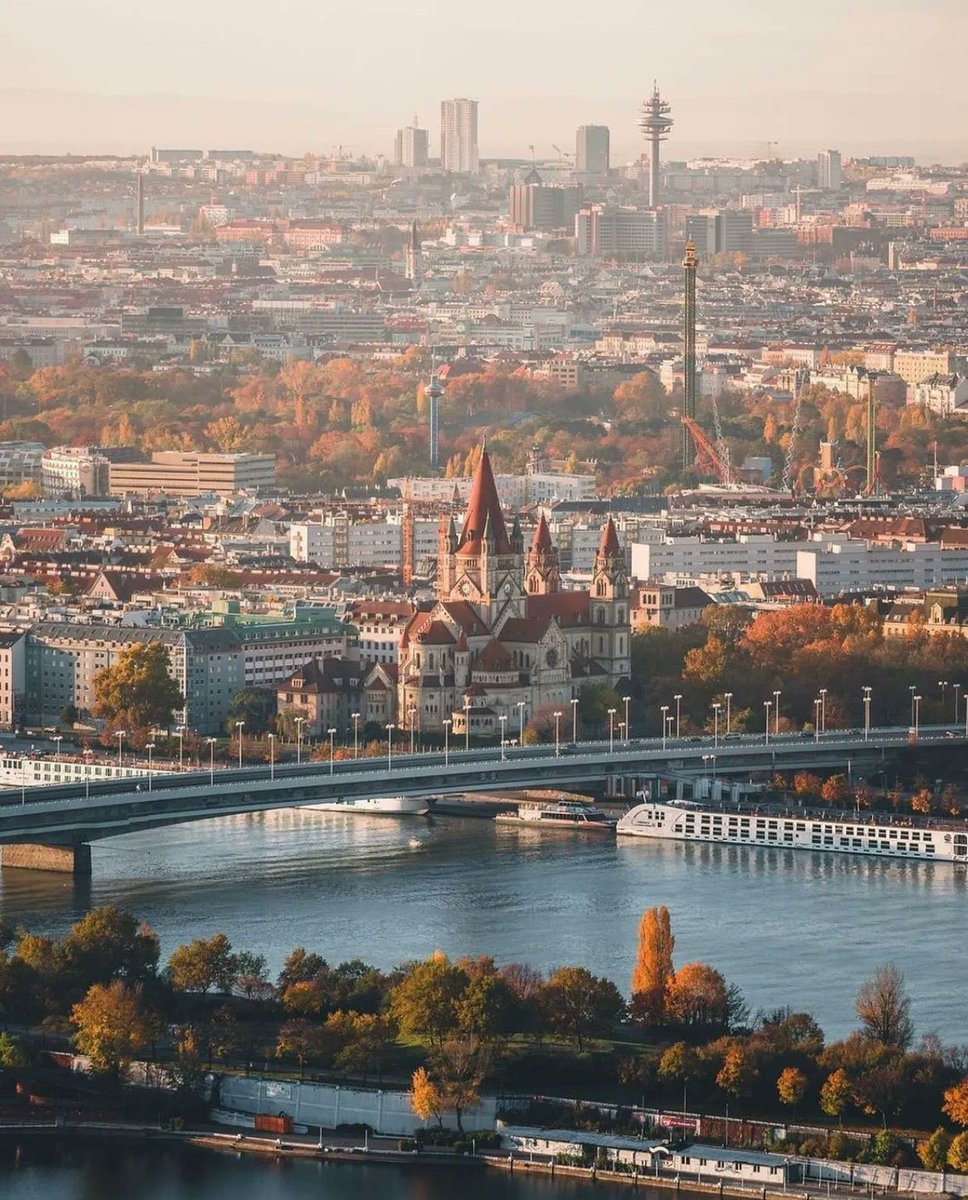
874 835
376 806
561 814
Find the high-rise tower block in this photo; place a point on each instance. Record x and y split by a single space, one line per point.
655 123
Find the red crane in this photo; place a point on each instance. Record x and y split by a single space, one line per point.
708 459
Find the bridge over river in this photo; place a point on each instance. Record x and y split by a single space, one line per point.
51 828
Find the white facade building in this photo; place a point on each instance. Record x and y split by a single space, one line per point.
458 136
854 565
74 472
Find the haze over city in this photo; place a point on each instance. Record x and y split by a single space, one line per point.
299 76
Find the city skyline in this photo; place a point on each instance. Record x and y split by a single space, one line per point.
744 83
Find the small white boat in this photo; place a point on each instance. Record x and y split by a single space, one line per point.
376 806
562 814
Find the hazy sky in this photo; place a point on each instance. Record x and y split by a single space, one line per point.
297 75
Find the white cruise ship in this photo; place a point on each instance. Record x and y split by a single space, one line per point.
874 835
376 806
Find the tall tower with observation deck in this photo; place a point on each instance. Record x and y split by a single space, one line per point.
655 122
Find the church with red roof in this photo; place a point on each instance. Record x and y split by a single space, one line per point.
504 641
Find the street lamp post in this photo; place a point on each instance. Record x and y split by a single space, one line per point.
611 730
966 716
211 760
767 704
180 734
816 719
678 700
867 713
332 747
149 747
912 688
356 735
272 756
467 725
957 689
943 684
240 725
776 713
122 734
57 739
520 707
664 710
574 719
628 727
917 715
447 725
716 708
412 719
390 729
503 718
557 732
729 701
623 732
823 710
300 721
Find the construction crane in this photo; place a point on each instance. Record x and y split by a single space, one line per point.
562 153
709 460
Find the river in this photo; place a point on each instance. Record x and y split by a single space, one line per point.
45 1170
789 927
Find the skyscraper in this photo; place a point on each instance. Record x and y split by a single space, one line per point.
592 150
655 123
829 171
411 147
458 136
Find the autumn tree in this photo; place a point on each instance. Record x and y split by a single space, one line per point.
303 1040
424 1003
576 1002
111 1025
108 943
958 1152
697 996
738 1072
680 1063
458 1068
835 791
203 964
791 1086
884 1008
956 1103
138 692
425 1098
653 965
364 1040
836 1094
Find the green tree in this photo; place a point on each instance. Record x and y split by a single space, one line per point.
112 1025
680 1063
12 1052
933 1151
138 692
109 943
425 1002
486 1007
287 721
576 1002
255 706
365 1040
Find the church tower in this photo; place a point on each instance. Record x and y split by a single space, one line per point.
485 566
542 574
610 608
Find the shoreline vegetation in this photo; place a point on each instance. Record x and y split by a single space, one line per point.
449 1031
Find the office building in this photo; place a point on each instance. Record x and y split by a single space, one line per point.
411 147
458 136
180 473
829 171
734 231
74 472
604 230
592 151
534 206
20 463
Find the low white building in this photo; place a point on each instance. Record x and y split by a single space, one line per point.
859 565
946 395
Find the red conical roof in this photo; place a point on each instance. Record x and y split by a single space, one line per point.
484 514
609 543
542 537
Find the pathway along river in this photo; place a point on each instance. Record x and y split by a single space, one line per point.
789 927
42 1170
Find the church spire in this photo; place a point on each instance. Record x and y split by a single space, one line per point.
484 514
